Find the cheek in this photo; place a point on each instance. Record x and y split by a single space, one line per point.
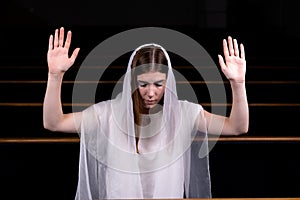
142 91
161 91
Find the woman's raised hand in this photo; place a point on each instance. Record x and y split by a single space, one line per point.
234 66
58 52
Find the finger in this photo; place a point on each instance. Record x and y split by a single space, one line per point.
230 44
61 37
68 40
74 55
236 48
225 49
56 38
242 51
222 63
50 42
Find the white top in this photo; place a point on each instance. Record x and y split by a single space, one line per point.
109 174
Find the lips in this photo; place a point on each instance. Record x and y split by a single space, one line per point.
150 102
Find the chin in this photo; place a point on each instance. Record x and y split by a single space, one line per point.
153 108
150 106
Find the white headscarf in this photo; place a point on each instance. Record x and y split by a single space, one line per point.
109 165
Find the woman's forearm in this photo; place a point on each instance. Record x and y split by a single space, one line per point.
52 108
239 115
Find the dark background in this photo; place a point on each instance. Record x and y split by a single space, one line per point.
269 30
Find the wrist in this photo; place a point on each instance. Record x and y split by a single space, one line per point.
239 82
55 76
235 84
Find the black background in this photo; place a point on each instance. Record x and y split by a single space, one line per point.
269 30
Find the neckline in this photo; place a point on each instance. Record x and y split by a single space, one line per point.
152 115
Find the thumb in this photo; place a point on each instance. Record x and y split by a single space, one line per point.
222 63
74 54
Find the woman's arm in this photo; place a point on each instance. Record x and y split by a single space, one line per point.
58 63
234 68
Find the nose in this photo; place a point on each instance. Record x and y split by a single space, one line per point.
151 91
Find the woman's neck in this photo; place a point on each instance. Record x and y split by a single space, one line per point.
153 110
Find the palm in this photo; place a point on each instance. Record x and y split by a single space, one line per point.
58 58
234 67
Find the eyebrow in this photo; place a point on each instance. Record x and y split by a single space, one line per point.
141 81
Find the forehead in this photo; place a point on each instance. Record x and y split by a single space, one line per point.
152 77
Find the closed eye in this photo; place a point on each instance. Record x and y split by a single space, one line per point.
159 83
143 85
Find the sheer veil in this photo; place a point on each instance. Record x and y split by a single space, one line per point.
110 167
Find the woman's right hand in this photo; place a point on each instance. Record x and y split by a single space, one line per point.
58 52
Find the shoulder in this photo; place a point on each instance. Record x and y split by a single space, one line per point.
97 108
103 105
190 106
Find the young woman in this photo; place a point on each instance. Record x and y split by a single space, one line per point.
140 144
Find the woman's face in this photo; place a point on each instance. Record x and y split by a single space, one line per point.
151 87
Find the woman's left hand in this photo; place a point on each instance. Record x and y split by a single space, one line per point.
234 66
